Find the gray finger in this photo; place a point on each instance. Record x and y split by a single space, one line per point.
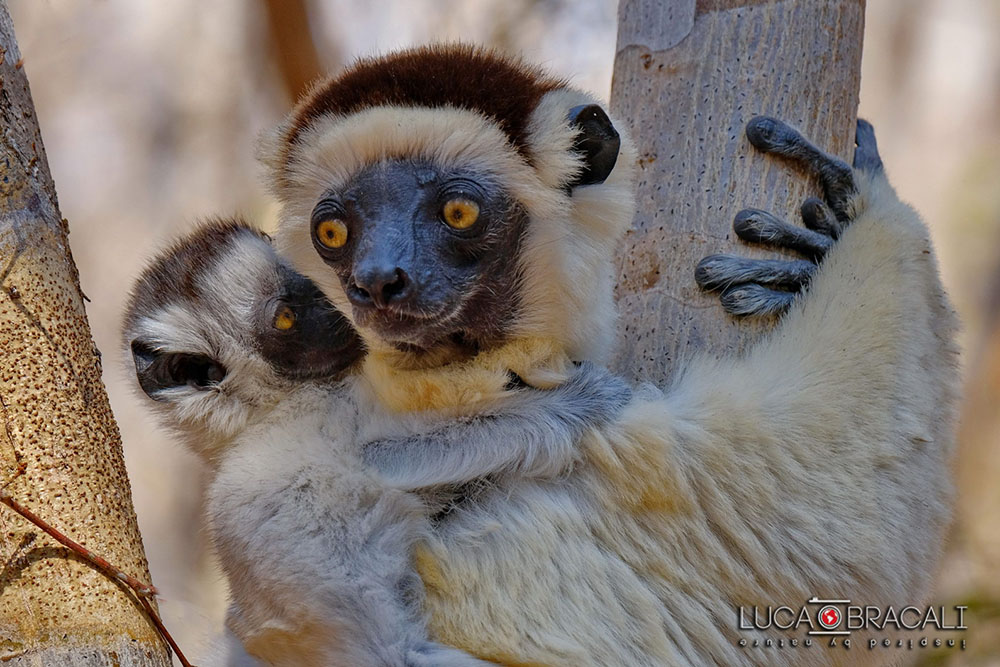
866 157
755 300
773 136
761 227
717 272
817 216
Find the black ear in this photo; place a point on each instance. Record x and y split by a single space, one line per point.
157 370
597 143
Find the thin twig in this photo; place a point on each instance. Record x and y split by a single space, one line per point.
142 590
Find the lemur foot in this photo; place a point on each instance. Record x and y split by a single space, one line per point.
762 287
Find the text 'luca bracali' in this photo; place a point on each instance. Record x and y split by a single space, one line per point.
831 624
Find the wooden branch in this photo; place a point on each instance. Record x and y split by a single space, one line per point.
57 425
142 590
688 76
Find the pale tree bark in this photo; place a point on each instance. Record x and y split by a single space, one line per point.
56 425
688 76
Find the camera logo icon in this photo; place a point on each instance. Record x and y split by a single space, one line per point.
829 617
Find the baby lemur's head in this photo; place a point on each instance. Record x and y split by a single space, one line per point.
219 328
452 199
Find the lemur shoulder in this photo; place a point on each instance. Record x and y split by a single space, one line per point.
459 206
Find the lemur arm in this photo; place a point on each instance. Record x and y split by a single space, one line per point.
532 434
872 327
836 427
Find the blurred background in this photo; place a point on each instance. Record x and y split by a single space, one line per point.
149 111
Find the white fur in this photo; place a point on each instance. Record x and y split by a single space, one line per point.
816 465
316 546
217 328
313 545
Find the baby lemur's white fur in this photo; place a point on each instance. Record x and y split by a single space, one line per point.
815 465
248 363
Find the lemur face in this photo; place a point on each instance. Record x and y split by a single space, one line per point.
219 324
422 251
450 196
300 334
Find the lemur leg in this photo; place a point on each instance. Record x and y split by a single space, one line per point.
769 287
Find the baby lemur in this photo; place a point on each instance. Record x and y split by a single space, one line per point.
247 361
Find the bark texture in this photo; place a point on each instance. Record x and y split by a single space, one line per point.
55 609
688 76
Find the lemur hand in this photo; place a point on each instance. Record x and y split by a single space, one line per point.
590 397
768 286
533 433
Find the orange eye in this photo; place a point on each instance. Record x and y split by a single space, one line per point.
461 213
332 233
284 319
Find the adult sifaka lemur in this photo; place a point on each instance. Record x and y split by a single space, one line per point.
463 209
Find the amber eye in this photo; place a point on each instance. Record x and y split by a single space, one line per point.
332 233
284 318
461 213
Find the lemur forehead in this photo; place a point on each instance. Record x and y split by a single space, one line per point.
175 276
426 175
335 148
498 87
247 268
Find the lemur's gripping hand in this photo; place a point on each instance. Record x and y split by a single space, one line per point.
766 286
531 434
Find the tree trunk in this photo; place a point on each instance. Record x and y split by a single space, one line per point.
688 76
55 609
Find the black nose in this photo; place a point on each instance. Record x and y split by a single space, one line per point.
379 286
